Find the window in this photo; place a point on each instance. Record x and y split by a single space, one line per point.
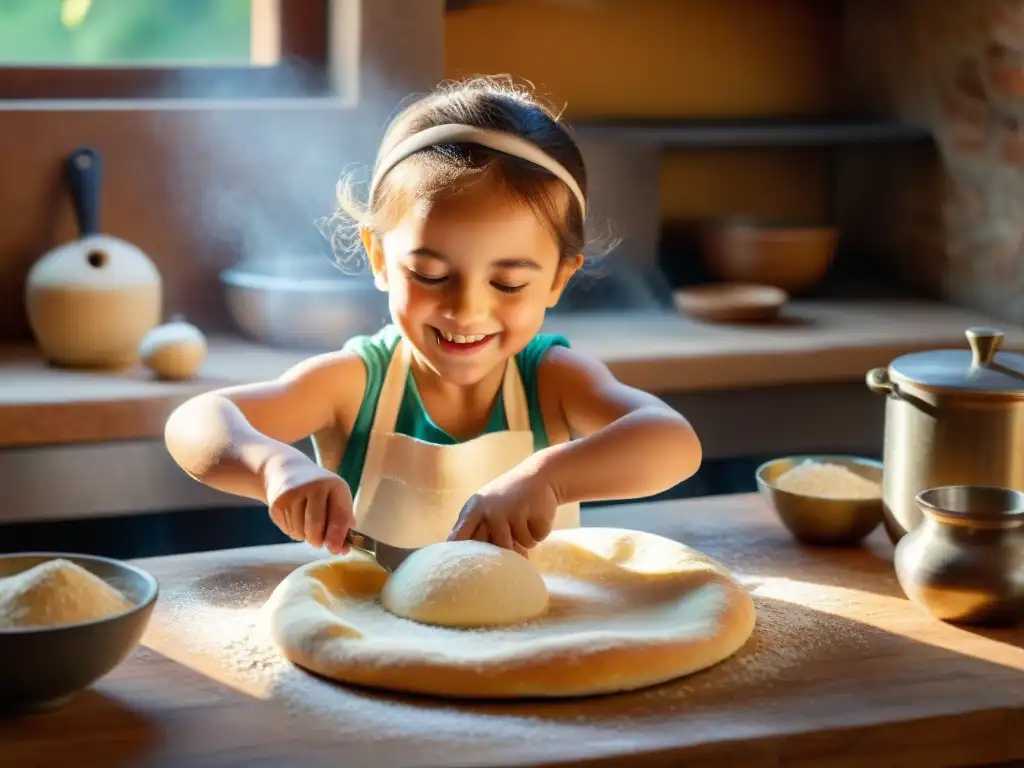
94 49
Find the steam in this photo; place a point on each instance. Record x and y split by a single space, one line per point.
258 181
258 175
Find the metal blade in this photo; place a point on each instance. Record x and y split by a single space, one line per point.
387 556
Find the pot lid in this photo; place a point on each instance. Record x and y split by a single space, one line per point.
982 368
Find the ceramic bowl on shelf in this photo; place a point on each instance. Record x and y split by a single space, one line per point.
730 302
43 667
823 519
792 256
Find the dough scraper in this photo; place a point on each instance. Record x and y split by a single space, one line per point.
387 556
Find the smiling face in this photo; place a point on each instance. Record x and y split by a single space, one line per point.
469 279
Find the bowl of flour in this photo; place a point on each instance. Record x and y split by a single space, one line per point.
66 620
824 499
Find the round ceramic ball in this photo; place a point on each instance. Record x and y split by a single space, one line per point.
174 350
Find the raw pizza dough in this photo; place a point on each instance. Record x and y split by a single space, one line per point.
465 584
627 610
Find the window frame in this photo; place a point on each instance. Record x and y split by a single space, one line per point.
302 69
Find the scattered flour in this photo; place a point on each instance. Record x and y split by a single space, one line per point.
56 592
225 626
443 732
827 481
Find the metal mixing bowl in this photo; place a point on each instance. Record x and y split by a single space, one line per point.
302 302
817 520
42 667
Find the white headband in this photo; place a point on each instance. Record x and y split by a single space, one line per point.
455 133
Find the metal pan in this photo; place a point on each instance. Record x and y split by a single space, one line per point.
302 302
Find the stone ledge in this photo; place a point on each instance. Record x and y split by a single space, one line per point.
816 342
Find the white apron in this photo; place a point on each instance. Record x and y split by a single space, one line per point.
411 492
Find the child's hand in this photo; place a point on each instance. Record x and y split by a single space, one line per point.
308 502
515 511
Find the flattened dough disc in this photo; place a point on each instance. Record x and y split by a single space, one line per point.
628 610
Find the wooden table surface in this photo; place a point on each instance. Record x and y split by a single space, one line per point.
841 670
815 342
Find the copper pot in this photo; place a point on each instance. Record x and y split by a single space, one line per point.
952 417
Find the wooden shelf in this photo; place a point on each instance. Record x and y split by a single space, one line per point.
699 133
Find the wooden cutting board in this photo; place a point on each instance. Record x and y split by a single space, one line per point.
841 670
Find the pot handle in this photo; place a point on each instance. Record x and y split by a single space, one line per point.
85 173
985 342
877 380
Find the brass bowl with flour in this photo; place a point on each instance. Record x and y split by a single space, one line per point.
829 507
44 664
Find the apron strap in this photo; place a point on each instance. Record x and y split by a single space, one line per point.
513 394
384 419
392 390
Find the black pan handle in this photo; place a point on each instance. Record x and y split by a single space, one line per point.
85 174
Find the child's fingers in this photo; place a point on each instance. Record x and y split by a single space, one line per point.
501 534
467 523
521 532
339 519
279 516
315 518
540 526
482 532
291 518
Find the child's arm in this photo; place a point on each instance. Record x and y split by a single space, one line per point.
630 443
228 438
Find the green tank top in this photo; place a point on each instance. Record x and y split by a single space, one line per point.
413 419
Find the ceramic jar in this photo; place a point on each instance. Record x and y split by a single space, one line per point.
965 562
90 302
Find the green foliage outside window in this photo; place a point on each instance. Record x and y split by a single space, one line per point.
125 32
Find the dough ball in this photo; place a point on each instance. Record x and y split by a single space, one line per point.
465 584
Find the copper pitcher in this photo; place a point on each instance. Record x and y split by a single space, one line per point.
965 562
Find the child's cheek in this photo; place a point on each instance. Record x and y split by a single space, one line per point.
522 311
416 297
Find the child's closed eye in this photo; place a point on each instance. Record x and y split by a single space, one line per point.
425 279
508 288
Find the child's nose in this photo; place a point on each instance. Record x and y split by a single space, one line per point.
467 305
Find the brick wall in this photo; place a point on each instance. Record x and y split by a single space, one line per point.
952 222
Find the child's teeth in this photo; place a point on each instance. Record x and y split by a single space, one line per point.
457 339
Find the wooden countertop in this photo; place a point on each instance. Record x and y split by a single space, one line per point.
841 670
816 342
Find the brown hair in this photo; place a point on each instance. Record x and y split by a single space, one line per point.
445 169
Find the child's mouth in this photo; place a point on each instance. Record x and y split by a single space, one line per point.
456 344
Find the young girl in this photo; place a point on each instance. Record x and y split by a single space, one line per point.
460 420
